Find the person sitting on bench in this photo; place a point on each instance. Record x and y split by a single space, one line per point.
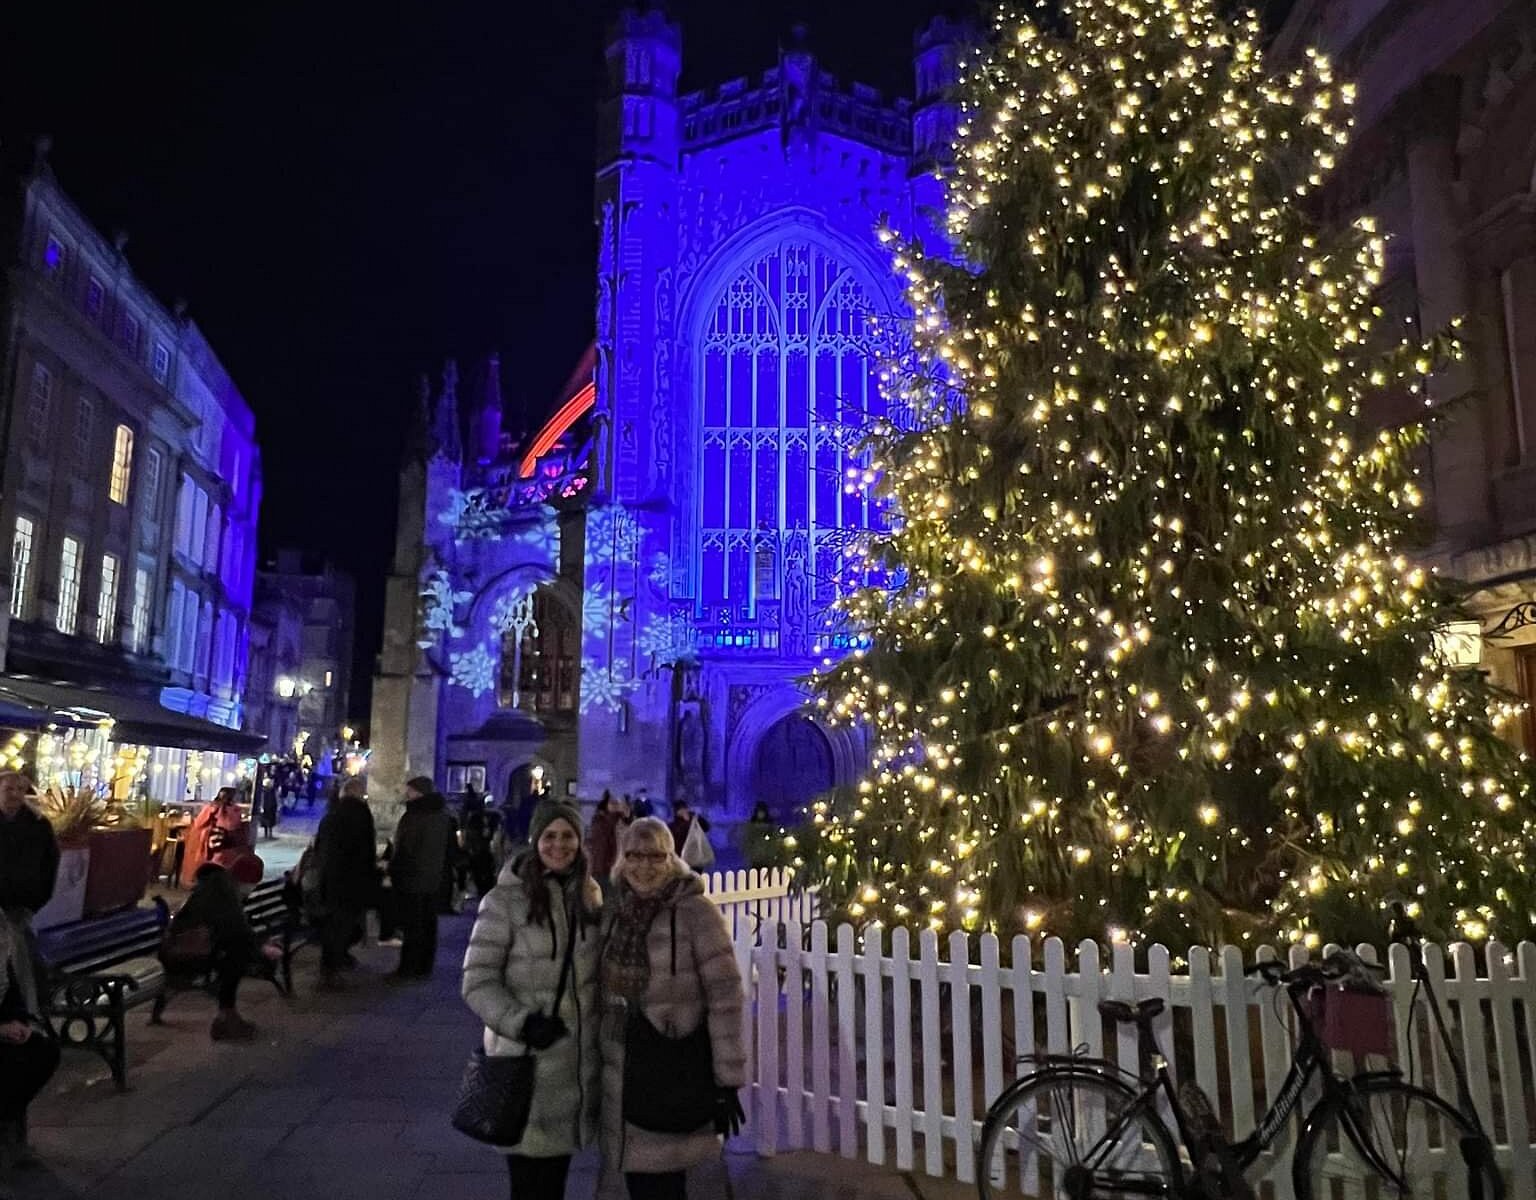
28 1056
210 933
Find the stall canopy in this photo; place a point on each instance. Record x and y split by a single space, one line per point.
138 719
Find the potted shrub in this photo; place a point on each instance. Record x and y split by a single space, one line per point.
71 812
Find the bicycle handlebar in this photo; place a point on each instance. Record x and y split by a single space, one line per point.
1337 967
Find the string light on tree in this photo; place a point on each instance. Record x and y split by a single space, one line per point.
1154 661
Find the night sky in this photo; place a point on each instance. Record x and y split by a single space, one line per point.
344 201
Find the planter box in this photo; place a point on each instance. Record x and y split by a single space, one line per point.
119 871
68 903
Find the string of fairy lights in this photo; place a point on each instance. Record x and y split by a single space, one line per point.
1154 660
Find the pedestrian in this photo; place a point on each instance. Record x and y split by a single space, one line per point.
669 971
218 833
537 925
269 810
421 844
29 853
761 838
28 1055
345 846
209 933
693 848
643 807
477 850
603 840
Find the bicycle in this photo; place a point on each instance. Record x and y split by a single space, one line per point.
1083 1128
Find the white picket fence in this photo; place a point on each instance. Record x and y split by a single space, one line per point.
751 899
857 1047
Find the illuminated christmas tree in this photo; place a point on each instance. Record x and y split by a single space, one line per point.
1157 663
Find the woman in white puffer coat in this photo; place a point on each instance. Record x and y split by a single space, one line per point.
544 904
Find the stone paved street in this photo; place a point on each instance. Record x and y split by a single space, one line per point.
343 1097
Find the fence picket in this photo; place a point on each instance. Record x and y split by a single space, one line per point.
1202 1025
1054 985
901 1043
1083 1009
821 1040
874 1044
1122 986
962 1054
1024 1042
1473 1045
933 1053
1234 987
847 1046
765 956
1158 984
794 1034
1275 1042
990 984
1501 990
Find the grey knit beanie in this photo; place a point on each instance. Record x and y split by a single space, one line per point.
555 810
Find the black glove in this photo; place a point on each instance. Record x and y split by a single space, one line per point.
729 1117
541 1032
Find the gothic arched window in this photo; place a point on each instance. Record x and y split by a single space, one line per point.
789 387
540 648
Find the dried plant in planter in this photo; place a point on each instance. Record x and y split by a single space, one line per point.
73 812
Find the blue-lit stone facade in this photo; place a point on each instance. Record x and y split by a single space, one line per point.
676 551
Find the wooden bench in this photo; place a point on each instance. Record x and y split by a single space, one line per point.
99 968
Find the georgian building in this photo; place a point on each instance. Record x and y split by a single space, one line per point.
129 490
630 600
1444 153
324 600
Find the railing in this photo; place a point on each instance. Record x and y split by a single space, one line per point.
857 1047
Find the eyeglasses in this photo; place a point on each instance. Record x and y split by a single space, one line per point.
650 856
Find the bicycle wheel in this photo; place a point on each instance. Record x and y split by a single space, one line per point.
1385 1140
1074 1135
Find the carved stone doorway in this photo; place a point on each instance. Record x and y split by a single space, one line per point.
793 764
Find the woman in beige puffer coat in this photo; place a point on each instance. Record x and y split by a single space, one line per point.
666 948
543 904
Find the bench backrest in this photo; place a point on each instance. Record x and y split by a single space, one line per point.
267 908
95 943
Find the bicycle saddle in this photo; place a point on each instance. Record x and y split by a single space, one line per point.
1131 1014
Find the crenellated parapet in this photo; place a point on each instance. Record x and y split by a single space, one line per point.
781 99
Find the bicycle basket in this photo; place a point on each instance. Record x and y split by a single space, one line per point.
1353 1021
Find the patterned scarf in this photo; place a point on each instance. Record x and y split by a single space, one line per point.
627 959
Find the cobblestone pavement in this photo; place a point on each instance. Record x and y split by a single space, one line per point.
342 1097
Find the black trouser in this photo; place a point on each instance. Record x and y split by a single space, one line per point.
417 913
337 935
24 1068
665 1185
231 959
538 1178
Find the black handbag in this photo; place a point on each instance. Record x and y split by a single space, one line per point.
495 1098
496 1092
669 1083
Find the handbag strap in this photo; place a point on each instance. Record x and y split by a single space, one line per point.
570 953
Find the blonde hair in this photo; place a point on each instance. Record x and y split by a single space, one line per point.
650 829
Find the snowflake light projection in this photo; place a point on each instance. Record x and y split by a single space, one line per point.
660 573
474 670
504 613
541 535
664 638
603 688
599 606
439 601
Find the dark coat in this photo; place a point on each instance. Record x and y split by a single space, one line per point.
421 845
29 861
215 903
345 844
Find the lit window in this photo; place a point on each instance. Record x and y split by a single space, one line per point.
42 403
162 362
106 606
122 465
69 587
21 566
150 485
138 627
95 297
328 677
55 257
85 417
